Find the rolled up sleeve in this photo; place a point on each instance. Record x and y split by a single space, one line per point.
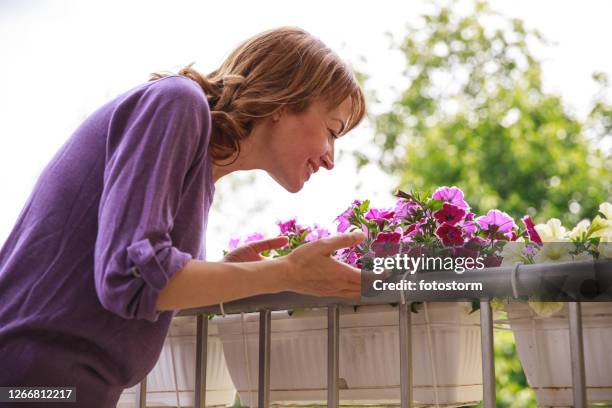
153 138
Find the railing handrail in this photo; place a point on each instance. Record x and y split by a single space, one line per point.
528 280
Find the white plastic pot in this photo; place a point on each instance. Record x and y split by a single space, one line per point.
448 372
171 383
544 350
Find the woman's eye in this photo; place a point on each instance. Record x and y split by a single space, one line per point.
333 135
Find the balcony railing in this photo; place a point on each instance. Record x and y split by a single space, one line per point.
516 282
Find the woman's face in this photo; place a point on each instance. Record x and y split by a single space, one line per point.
301 143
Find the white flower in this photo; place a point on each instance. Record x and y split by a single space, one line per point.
555 252
552 231
605 246
581 228
546 309
512 253
583 256
600 227
606 210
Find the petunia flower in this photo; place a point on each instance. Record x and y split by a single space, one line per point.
386 244
452 195
233 243
531 231
552 231
257 236
606 210
317 233
287 226
343 219
403 208
555 252
581 228
496 221
450 235
379 216
449 214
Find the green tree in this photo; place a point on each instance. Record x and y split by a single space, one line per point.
475 115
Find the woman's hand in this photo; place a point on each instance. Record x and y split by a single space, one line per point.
251 251
312 271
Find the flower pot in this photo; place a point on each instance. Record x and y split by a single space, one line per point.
169 381
544 350
449 371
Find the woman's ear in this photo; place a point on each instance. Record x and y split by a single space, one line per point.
278 114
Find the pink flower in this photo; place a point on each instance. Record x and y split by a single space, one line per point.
287 226
469 228
233 243
379 216
452 195
496 221
349 256
343 219
450 235
317 233
450 214
531 231
386 244
254 237
403 208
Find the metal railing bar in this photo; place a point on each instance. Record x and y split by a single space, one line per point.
141 394
528 281
201 361
405 341
488 361
265 336
577 355
333 356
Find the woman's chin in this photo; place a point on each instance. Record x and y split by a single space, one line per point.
292 186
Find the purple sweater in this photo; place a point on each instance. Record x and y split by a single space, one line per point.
121 207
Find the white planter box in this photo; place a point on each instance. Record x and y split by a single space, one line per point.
544 351
369 355
162 389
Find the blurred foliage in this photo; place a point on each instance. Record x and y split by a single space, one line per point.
475 115
512 390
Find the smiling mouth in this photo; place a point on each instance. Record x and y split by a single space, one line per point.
311 168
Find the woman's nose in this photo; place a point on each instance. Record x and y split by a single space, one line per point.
328 159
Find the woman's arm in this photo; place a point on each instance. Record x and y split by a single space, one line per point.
309 270
202 283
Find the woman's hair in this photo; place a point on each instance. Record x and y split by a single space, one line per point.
283 67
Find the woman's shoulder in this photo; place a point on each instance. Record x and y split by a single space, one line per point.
177 87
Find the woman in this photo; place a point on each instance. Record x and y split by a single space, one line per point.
109 246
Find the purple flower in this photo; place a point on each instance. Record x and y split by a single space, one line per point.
349 256
343 219
287 226
452 195
529 250
254 237
450 214
233 243
403 208
379 216
450 235
317 233
531 231
469 228
496 221
386 243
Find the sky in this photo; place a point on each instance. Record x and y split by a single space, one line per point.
62 60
